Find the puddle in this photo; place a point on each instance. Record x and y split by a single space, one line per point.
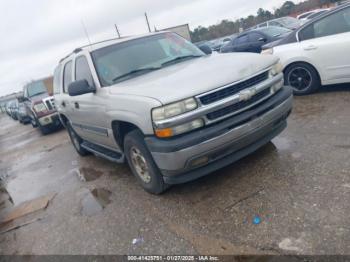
95 201
281 143
87 174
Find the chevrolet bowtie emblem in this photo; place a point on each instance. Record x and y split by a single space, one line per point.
246 94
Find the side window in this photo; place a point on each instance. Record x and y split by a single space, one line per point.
57 80
241 40
82 70
67 76
274 23
333 24
254 37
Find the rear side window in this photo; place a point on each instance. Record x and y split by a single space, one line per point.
82 70
57 80
333 24
67 76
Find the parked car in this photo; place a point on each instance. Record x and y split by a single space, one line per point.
40 107
216 44
174 116
286 22
253 40
13 106
22 115
318 53
7 108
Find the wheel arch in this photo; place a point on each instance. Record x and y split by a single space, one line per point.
64 119
303 62
121 129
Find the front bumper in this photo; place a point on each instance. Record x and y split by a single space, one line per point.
201 152
49 120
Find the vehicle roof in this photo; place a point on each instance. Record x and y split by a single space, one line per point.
94 46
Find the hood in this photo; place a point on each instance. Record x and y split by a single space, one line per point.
37 98
194 76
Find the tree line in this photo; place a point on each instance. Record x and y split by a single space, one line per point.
229 27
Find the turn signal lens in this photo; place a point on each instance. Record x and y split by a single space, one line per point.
177 130
162 133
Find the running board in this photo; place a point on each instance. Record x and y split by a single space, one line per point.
103 152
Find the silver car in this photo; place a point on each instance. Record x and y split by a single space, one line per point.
172 111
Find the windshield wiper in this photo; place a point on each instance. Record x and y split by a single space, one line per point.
132 72
180 58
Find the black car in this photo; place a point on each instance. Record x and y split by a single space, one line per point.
253 40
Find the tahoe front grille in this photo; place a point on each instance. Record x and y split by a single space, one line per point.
238 106
50 103
231 90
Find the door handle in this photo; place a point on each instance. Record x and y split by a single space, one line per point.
63 104
76 104
310 47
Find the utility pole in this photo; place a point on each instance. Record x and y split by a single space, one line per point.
116 28
149 28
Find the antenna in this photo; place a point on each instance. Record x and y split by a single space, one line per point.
116 28
149 28
86 32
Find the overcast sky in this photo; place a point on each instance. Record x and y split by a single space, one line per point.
35 34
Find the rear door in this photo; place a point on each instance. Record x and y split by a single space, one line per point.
326 42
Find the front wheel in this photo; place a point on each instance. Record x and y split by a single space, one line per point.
303 78
141 163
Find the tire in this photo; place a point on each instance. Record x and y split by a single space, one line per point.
76 141
34 122
139 159
303 78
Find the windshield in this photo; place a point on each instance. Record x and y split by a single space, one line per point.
139 55
36 88
273 31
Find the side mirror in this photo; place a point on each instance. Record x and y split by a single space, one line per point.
80 87
206 49
262 39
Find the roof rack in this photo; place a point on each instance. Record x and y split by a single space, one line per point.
79 49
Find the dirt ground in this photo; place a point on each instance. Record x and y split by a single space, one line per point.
297 189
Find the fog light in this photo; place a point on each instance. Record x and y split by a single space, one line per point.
200 161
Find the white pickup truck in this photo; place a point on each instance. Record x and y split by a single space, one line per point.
173 111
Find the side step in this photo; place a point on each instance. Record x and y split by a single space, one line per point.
103 152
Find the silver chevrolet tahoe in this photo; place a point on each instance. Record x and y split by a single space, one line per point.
172 111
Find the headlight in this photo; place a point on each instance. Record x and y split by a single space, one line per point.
276 69
268 51
174 109
40 107
177 130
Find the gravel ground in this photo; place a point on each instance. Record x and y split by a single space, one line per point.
298 186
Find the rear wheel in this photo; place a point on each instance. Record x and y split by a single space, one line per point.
303 78
141 163
76 141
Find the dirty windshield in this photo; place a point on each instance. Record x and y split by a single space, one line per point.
130 58
36 88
